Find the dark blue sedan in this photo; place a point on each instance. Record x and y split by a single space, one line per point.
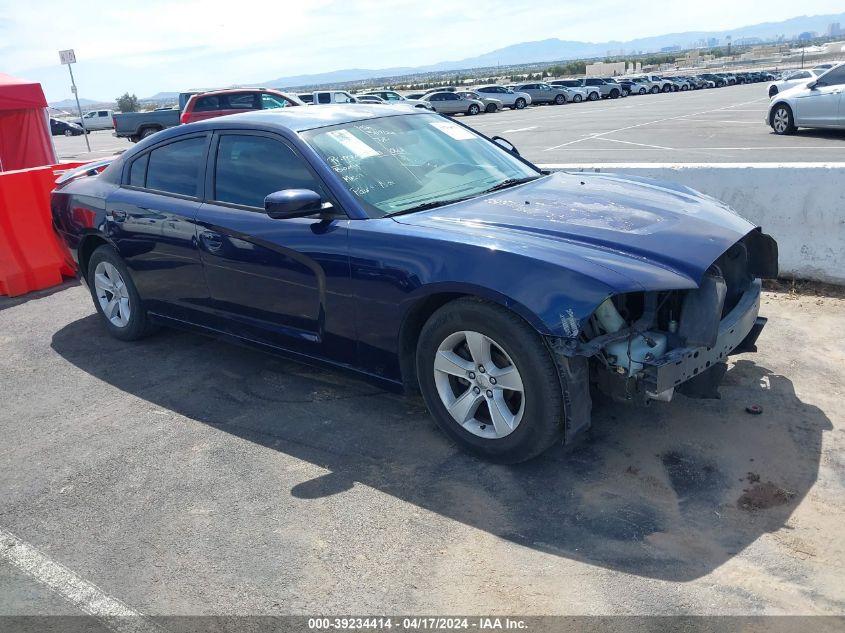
411 249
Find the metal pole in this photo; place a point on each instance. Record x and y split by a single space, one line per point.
79 107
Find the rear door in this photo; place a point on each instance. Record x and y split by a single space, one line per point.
274 278
151 218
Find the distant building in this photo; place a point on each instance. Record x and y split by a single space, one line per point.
606 69
833 30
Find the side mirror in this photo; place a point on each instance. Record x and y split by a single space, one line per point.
292 203
503 142
813 85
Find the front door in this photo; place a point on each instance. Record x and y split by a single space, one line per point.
822 105
278 281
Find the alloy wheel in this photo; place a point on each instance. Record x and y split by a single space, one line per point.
479 384
112 294
780 120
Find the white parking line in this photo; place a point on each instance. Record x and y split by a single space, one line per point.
615 140
522 129
111 612
636 125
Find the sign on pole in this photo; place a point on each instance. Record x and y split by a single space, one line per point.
68 57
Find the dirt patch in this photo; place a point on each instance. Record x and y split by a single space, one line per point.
763 496
804 288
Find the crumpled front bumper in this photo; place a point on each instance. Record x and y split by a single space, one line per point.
738 331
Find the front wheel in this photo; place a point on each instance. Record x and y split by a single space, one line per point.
473 110
520 104
782 120
577 98
489 381
614 94
560 100
642 91
655 90
594 96
115 296
68 132
491 107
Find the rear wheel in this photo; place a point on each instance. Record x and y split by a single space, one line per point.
115 296
642 91
594 96
489 381
655 90
148 131
68 132
667 88
560 100
491 107
782 120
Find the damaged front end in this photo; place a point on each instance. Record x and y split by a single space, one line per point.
643 346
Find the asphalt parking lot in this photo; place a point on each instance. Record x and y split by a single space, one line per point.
183 475
722 125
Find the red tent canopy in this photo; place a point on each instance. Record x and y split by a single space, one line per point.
24 125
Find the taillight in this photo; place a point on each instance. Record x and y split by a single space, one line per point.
183 118
114 122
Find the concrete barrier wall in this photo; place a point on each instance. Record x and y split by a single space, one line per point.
801 205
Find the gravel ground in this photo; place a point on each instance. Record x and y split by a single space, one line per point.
183 475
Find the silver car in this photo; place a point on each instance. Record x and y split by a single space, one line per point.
394 97
544 93
490 104
587 93
453 103
817 103
509 98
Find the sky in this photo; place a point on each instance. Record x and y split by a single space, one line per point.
173 45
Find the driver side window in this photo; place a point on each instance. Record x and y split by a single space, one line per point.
249 168
835 77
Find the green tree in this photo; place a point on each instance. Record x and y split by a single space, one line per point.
128 103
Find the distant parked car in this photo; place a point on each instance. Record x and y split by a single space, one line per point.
392 96
644 86
718 81
306 97
591 93
138 125
661 83
97 120
453 103
612 81
66 128
490 104
792 79
510 98
370 99
544 93
222 102
818 103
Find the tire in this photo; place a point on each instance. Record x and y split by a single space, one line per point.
655 90
684 87
773 91
594 96
577 98
614 94
560 100
127 320
148 131
782 121
69 133
473 110
491 107
530 416
666 88
642 91
519 104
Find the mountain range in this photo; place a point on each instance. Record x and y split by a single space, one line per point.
552 50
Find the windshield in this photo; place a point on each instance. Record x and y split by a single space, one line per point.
401 164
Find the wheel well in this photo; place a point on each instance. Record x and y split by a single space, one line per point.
89 244
410 330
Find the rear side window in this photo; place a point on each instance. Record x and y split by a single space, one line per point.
243 101
324 97
249 168
138 171
174 168
207 104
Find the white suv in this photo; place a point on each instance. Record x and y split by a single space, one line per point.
509 98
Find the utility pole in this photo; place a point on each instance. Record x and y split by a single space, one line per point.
69 57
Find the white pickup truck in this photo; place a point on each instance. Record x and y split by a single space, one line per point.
97 120
326 96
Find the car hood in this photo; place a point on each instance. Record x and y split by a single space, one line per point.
628 224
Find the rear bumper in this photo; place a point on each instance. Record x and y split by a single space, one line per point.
738 332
